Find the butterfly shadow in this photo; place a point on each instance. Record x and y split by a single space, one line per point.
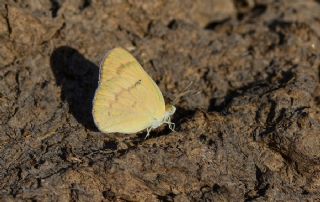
78 78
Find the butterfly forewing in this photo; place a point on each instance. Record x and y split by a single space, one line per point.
127 99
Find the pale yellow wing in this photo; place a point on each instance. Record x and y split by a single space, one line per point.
127 100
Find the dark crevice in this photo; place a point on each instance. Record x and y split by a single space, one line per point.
221 107
7 20
261 187
216 188
277 26
203 138
108 194
214 24
167 198
249 9
64 153
258 10
272 112
240 16
242 4
272 121
209 192
112 145
287 76
74 193
173 24
58 171
282 38
86 3
55 6
176 24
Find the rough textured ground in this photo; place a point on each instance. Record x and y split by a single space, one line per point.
248 128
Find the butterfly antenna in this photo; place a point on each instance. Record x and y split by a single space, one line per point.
184 92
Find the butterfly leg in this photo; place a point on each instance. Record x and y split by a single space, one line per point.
148 132
172 126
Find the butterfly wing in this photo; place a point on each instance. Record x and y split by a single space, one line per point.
127 99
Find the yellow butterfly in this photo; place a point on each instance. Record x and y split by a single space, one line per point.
127 100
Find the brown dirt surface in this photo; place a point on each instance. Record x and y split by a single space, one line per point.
247 125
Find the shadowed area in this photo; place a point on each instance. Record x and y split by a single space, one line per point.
78 78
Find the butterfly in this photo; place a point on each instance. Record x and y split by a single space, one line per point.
127 100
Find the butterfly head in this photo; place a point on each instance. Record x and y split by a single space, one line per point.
170 110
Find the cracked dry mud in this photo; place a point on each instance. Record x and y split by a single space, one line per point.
248 128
